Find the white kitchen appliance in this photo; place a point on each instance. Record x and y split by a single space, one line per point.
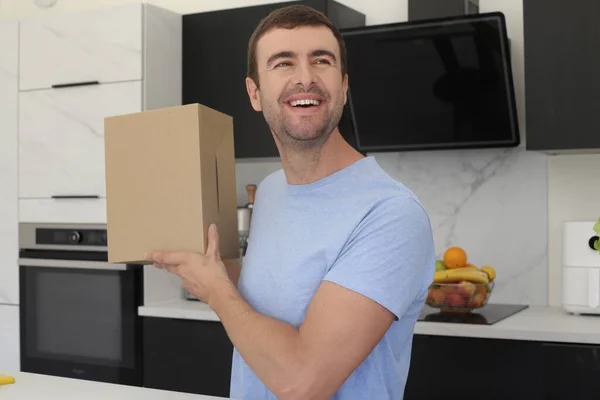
580 268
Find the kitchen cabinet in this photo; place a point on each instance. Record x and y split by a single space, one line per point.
471 368
187 356
427 9
103 45
571 371
9 338
9 269
214 74
562 84
64 210
61 128
61 137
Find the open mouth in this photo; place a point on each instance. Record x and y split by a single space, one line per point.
304 103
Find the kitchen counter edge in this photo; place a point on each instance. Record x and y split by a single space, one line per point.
537 323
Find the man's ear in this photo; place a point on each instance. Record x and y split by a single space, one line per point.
345 87
252 90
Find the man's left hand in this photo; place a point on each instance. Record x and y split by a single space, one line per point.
200 273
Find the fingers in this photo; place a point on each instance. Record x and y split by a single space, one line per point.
174 269
213 241
172 258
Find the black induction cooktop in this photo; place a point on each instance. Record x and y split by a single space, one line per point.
488 315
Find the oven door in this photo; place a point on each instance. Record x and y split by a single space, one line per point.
79 316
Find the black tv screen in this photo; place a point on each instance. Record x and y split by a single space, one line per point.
431 84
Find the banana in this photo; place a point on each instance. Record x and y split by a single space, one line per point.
490 271
461 274
5 379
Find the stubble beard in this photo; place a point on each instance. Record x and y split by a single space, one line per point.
308 134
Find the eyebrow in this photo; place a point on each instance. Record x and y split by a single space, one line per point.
321 52
291 54
281 54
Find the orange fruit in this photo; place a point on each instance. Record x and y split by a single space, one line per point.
455 257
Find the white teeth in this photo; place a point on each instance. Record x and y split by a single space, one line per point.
305 102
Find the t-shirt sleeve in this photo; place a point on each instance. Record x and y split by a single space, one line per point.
390 257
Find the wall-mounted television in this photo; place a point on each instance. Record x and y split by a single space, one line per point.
431 84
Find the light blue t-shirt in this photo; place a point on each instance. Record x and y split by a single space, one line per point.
358 228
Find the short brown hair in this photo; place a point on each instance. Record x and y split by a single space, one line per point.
291 17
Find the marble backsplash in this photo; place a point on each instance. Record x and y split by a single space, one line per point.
491 202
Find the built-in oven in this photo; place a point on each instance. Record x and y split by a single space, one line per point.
78 313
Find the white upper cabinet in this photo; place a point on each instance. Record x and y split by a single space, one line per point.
9 253
76 69
61 143
103 45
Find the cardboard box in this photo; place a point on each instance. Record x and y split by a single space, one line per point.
169 174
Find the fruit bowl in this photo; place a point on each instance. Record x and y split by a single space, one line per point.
459 297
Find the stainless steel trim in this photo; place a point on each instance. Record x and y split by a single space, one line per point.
76 264
65 247
62 225
27 236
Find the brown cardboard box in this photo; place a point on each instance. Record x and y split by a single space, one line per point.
169 174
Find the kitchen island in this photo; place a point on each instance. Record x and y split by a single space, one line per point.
44 387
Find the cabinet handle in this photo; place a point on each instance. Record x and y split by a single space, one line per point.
66 196
65 85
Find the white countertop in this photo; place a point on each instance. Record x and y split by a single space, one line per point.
44 387
184 309
551 324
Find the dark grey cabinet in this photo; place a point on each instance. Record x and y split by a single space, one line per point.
195 357
427 9
571 371
446 367
215 48
187 356
562 78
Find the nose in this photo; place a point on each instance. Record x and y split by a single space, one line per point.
305 75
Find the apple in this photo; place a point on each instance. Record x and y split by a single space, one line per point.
478 300
439 265
436 297
456 300
467 288
482 290
449 289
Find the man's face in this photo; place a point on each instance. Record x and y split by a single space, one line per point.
302 92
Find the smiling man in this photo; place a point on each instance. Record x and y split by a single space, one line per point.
340 255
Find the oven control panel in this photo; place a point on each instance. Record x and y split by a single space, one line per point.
81 237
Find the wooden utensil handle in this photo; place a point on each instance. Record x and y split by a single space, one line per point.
251 189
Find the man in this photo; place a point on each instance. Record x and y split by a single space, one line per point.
340 255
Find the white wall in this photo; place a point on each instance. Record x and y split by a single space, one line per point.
574 195
377 12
